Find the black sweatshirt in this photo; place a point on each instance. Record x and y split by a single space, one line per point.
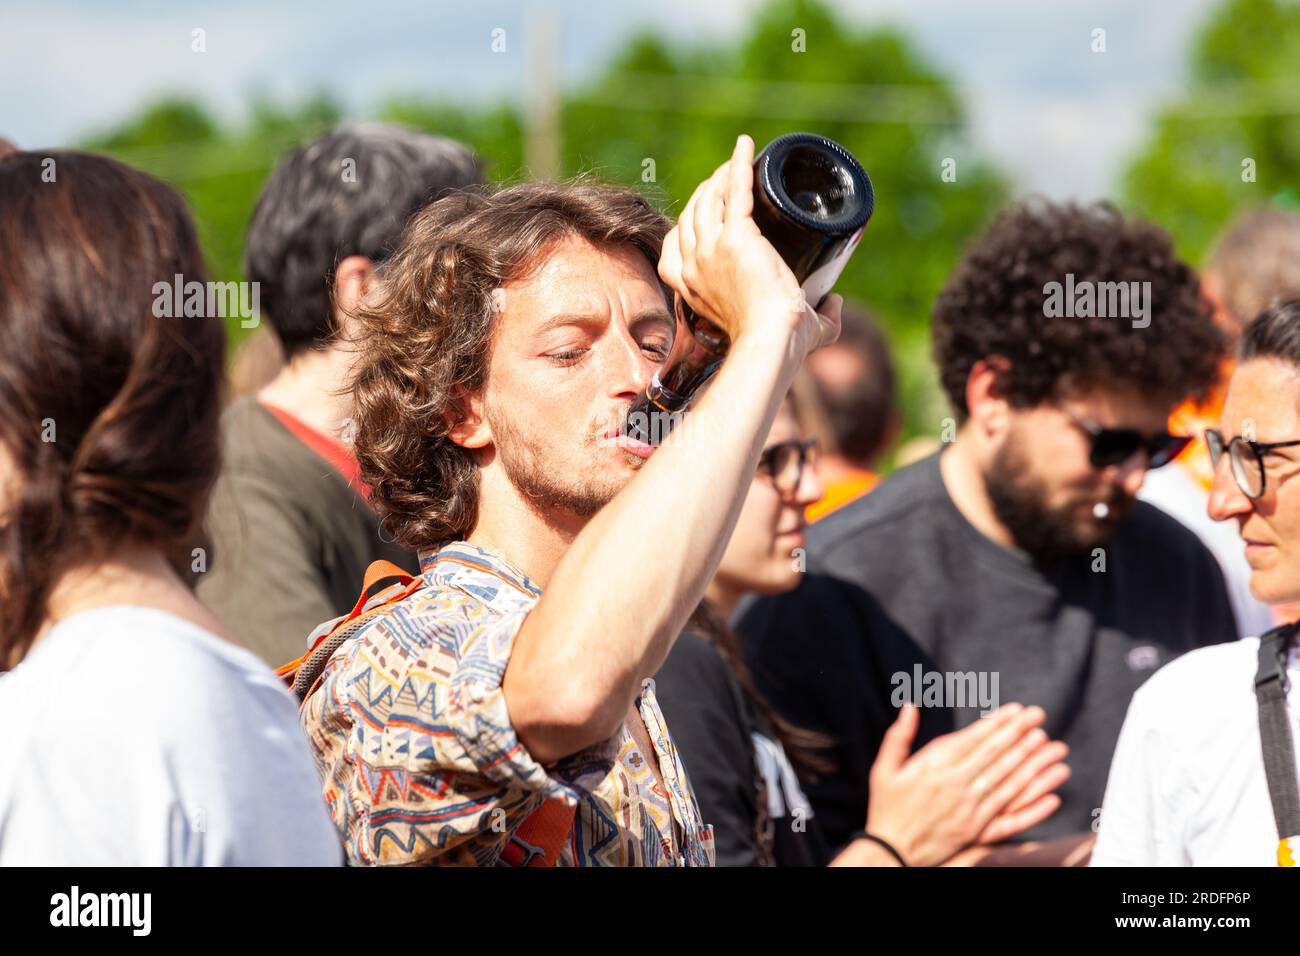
717 729
899 580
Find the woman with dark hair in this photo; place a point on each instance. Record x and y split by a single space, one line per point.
1204 773
135 732
969 789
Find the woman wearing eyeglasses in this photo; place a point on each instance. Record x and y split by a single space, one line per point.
745 762
1194 780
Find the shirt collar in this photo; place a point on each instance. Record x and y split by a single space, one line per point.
459 555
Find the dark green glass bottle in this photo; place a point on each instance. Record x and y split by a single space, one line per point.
812 200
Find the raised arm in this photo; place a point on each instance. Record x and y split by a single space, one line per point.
625 587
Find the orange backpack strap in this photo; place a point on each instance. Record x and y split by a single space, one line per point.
537 841
540 838
304 674
379 571
286 671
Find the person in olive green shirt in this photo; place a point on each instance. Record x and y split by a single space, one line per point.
290 532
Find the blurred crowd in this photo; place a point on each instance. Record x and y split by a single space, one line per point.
384 587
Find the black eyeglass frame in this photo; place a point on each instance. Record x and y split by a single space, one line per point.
1259 449
1160 448
808 450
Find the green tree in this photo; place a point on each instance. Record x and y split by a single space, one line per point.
801 68
496 132
661 119
1233 139
219 170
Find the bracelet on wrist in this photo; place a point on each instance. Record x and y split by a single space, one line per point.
888 847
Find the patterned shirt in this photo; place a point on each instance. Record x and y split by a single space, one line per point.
420 763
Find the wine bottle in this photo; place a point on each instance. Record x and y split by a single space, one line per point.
812 200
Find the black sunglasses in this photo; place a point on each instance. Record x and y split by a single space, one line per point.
1114 446
1246 458
786 461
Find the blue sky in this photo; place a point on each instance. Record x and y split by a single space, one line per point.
1060 119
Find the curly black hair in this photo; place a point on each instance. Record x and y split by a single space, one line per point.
996 303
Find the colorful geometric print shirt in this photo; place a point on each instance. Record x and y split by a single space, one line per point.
421 765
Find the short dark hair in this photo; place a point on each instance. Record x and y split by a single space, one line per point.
994 304
313 213
111 412
860 413
427 335
1257 262
1275 333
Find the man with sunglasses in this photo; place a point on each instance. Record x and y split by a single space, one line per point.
1205 768
1018 558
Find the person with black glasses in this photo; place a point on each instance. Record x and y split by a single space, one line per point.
977 786
1205 769
1017 563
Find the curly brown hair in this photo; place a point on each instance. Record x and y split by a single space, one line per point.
994 305
424 340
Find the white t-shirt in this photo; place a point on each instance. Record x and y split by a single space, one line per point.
1187 784
129 736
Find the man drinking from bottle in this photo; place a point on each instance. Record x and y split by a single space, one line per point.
503 712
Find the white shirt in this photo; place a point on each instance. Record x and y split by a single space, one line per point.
1187 784
129 736
785 797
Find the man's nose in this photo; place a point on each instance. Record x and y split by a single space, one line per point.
1131 482
1129 475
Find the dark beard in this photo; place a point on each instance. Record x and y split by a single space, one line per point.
1047 535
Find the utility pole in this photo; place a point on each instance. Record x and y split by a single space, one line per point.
542 97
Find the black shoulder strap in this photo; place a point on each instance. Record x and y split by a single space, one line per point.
1275 729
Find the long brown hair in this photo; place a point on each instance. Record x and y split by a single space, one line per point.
108 411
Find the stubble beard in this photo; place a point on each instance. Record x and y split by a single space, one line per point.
536 472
